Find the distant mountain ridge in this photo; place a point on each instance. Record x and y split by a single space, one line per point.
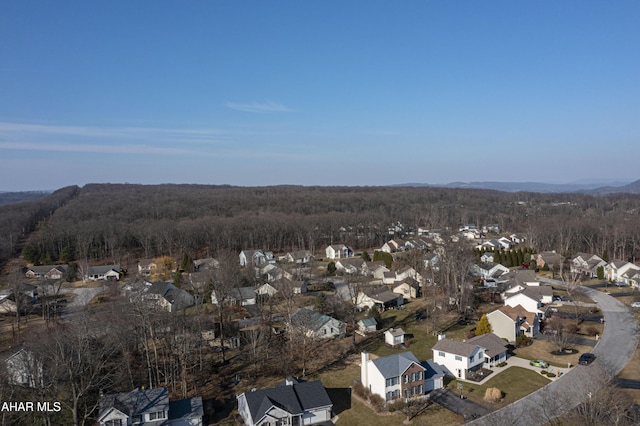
591 188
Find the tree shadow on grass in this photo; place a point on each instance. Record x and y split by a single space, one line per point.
341 399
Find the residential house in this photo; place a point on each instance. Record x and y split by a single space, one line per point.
517 238
416 244
495 349
399 375
509 322
408 272
393 246
252 257
431 261
205 264
149 406
458 359
103 272
367 325
302 256
548 259
377 269
529 301
615 269
487 257
587 264
316 325
243 296
352 266
49 272
23 369
488 270
394 337
388 278
408 288
266 289
169 297
338 251
632 277
379 298
292 403
146 267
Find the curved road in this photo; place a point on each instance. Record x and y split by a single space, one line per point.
613 351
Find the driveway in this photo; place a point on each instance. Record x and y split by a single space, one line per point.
82 299
453 402
575 386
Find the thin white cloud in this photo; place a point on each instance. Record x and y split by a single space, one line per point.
93 148
262 108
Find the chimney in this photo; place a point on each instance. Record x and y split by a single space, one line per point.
364 369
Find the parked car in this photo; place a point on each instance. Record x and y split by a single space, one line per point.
635 305
586 358
539 363
621 284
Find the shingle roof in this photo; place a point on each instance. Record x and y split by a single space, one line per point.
492 344
136 402
454 347
294 399
395 365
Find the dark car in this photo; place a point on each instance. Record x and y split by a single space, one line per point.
586 358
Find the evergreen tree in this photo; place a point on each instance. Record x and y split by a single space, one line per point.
600 272
365 256
331 268
483 327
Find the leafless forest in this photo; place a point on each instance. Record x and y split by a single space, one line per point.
118 222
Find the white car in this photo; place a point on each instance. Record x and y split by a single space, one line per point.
635 305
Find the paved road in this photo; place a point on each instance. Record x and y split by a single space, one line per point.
613 351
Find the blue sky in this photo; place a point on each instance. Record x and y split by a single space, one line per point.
317 92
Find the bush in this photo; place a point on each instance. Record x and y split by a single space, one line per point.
550 374
396 406
377 402
522 341
573 328
502 364
359 389
543 372
493 395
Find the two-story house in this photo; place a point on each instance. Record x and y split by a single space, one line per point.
458 358
399 375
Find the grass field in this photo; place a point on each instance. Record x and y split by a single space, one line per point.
514 382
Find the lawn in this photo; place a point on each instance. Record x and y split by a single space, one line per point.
541 349
514 382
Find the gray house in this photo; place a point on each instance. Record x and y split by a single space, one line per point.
149 406
291 403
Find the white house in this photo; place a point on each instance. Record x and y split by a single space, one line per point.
338 251
408 288
291 403
510 322
243 295
458 359
252 257
22 368
266 289
394 337
616 268
495 349
529 302
316 325
367 325
587 264
106 272
399 375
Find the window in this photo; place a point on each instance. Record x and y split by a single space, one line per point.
115 422
471 358
458 358
156 415
441 354
405 378
393 381
136 419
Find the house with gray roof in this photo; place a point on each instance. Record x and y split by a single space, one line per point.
495 349
290 403
316 325
399 375
149 406
367 325
103 272
458 358
170 297
49 272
